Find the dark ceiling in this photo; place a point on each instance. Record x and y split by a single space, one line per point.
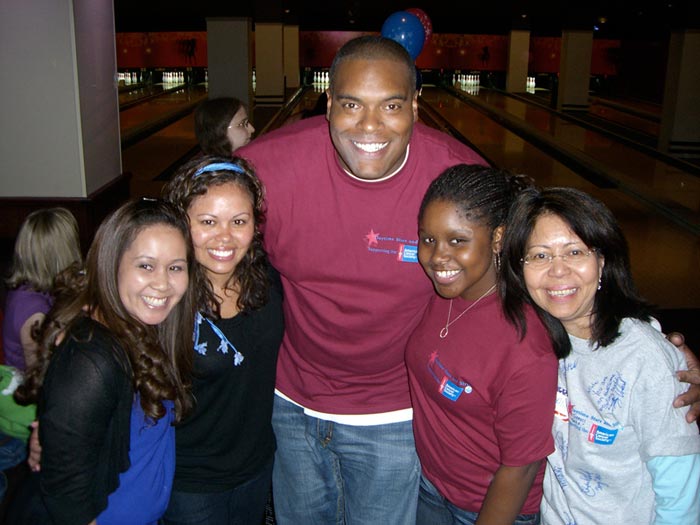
612 18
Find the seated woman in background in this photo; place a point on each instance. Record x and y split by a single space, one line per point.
221 126
46 244
111 374
623 454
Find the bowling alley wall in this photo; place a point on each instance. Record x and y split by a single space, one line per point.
629 68
317 48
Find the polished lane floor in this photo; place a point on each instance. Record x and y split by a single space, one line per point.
664 182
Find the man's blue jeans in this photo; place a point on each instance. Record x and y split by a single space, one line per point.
326 473
434 509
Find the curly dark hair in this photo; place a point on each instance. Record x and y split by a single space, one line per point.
251 274
159 357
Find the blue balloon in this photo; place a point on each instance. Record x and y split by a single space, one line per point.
406 29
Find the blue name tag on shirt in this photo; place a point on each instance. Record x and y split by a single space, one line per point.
408 253
601 435
450 390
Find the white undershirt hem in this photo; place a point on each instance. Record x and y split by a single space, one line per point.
356 420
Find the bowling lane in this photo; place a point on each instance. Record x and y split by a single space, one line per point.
137 121
662 183
151 160
133 95
308 104
639 119
665 257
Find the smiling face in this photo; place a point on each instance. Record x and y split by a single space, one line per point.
240 130
371 112
566 290
222 226
152 275
455 252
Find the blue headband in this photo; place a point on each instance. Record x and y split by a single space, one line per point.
219 166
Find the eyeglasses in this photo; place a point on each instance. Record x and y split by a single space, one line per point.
572 257
242 124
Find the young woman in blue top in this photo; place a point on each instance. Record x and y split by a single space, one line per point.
112 374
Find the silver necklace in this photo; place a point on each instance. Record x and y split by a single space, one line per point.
446 330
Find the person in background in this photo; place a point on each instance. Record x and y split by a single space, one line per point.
225 448
623 453
342 196
112 373
46 244
482 385
221 126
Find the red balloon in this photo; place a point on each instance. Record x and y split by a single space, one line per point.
424 20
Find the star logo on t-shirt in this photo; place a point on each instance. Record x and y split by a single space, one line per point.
372 238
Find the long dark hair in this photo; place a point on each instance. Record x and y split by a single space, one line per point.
211 120
250 274
596 226
159 357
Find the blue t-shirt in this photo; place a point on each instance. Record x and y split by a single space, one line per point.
144 489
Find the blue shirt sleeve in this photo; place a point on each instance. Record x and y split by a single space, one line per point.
676 482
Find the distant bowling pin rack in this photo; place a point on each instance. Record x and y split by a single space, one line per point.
470 83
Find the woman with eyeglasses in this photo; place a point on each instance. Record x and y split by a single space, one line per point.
221 126
623 453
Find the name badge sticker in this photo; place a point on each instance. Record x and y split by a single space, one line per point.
561 408
450 390
408 253
601 435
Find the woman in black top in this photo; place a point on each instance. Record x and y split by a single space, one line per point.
226 446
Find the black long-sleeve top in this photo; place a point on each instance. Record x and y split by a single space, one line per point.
84 416
228 438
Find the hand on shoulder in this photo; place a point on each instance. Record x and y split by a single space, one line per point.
692 375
